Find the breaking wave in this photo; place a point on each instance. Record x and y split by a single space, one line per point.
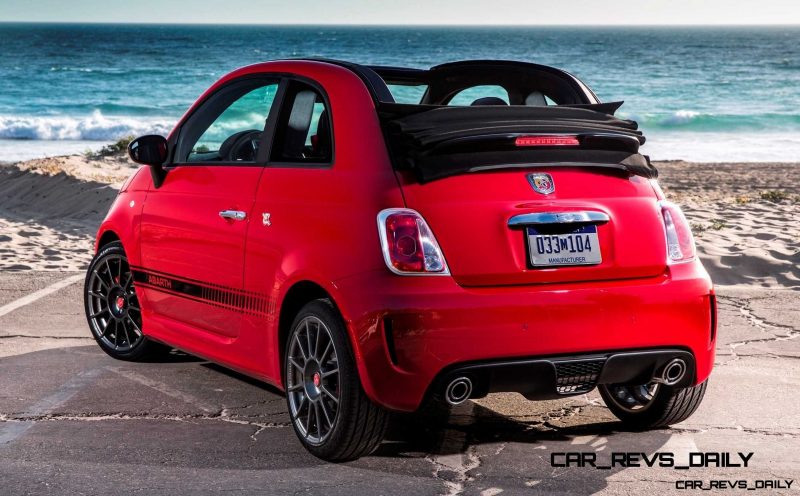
94 127
690 120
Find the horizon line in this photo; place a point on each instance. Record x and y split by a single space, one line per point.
410 25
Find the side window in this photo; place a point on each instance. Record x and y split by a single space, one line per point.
229 126
303 133
470 95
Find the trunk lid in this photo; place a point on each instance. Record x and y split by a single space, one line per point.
469 214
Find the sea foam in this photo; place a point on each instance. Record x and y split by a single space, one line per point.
93 127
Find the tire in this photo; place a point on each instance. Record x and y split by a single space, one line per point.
322 382
668 405
112 308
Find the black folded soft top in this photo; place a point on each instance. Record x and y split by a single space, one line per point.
440 141
435 140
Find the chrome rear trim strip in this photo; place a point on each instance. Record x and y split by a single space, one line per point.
574 217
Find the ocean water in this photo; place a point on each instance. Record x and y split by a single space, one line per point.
704 94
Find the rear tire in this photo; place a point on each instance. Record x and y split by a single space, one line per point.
112 307
642 408
331 414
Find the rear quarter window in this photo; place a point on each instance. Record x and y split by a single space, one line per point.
304 134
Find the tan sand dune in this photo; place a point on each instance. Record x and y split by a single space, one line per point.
50 210
746 219
745 216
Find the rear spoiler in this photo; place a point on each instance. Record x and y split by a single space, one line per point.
439 141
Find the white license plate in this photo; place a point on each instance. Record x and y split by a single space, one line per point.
579 246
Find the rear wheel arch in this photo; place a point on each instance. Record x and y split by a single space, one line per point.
107 237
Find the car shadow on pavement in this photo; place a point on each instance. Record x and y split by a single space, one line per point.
477 447
428 432
243 378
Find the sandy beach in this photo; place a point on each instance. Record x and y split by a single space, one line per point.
744 215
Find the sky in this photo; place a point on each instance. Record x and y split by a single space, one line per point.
404 12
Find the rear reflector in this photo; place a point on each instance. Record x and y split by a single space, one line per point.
547 141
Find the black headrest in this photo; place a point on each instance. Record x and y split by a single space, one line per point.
323 145
488 100
299 122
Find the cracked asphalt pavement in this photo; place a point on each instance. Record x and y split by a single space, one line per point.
74 421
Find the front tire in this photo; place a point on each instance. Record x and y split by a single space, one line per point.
653 405
112 308
330 412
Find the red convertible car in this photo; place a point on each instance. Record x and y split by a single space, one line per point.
372 239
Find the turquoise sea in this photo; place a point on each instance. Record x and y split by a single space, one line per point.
705 94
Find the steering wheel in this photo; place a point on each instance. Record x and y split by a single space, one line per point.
241 146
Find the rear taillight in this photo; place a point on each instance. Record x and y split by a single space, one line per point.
680 242
547 141
409 247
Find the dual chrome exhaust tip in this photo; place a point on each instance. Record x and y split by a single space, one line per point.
458 390
672 373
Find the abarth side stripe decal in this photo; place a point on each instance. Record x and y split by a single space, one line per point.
247 302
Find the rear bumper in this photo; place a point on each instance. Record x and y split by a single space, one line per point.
410 332
554 377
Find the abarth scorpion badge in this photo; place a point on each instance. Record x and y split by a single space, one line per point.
542 182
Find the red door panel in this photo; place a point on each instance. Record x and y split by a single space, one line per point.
192 259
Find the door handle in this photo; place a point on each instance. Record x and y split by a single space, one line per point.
233 214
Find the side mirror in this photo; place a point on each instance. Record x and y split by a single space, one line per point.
150 150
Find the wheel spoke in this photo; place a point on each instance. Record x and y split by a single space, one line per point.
128 281
316 342
100 280
325 353
318 421
106 328
300 346
325 412
300 404
137 333
110 272
329 394
98 313
296 387
295 364
641 394
116 333
135 325
308 421
329 372
127 336
634 398
308 340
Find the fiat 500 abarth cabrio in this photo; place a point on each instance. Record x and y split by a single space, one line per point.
376 239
